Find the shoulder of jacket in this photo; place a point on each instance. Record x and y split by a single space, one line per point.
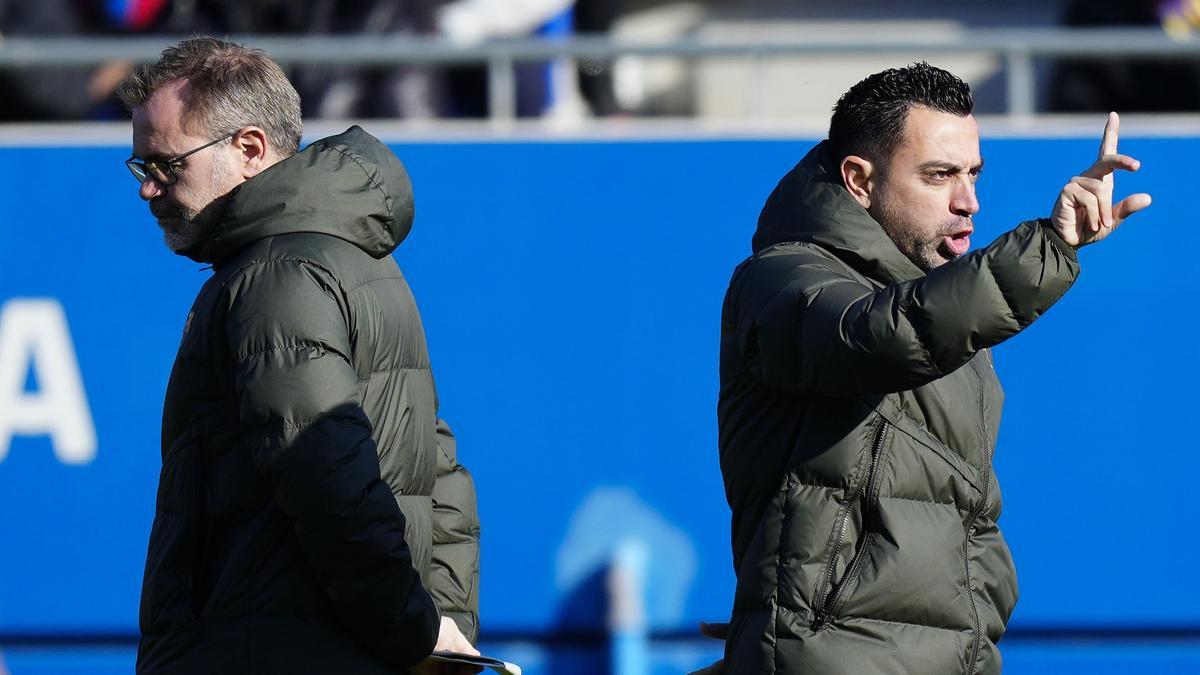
792 260
266 259
342 260
794 249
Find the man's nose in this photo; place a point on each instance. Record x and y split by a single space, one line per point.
149 189
964 202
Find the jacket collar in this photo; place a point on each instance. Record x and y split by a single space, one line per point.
349 186
810 204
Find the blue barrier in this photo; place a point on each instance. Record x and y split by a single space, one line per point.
571 292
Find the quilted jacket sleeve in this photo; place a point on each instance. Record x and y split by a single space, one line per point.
454 573
305 428
804 326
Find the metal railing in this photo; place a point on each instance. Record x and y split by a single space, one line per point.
1017 48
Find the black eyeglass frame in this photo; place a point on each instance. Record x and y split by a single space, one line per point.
165 168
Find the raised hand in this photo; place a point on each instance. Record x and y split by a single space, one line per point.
1084 212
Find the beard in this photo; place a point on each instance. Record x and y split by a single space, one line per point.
182 233
924 252
186 229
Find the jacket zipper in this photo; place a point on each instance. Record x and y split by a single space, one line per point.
834 594
975 513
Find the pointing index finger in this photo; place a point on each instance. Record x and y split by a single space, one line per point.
1110 163
1108 145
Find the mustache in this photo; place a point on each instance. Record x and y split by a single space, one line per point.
958 225
163 211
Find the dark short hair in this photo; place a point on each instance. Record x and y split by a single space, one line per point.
868 120
230 87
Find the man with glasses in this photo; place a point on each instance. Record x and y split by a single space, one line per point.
163 170
311 513
182 227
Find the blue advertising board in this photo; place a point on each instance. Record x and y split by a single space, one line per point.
571 293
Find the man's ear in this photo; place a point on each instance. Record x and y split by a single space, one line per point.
254 151
858 175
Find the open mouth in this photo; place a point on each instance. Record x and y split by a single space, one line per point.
958 243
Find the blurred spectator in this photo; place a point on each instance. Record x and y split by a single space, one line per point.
473 21
326 91
33 93
174 17
1134 85
644 85
542 88
403 91
596 17
329 91
408 91
60 93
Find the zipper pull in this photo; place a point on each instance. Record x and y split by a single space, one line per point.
819 620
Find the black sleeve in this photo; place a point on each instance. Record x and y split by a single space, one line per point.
802 326
298 392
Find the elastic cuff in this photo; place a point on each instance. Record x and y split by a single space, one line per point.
1053 236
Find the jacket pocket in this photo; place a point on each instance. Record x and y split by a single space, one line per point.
833 586
905 425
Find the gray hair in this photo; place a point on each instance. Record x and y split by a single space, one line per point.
230 87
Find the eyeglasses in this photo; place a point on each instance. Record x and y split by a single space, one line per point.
162 171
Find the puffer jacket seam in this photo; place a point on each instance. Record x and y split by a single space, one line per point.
808 290
301 345
269 425
410 495
963 631
368 282
385 371
287 258
782 246
921 501
819 485
300 262
299 424
814 257
773 601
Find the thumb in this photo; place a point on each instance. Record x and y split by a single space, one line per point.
1131 205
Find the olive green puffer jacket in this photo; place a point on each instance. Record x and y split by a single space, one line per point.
858 414
309 495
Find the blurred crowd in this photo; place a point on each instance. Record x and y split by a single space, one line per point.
1133 85
56 93
560 87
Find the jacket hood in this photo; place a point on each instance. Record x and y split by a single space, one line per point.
810 204
349 186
